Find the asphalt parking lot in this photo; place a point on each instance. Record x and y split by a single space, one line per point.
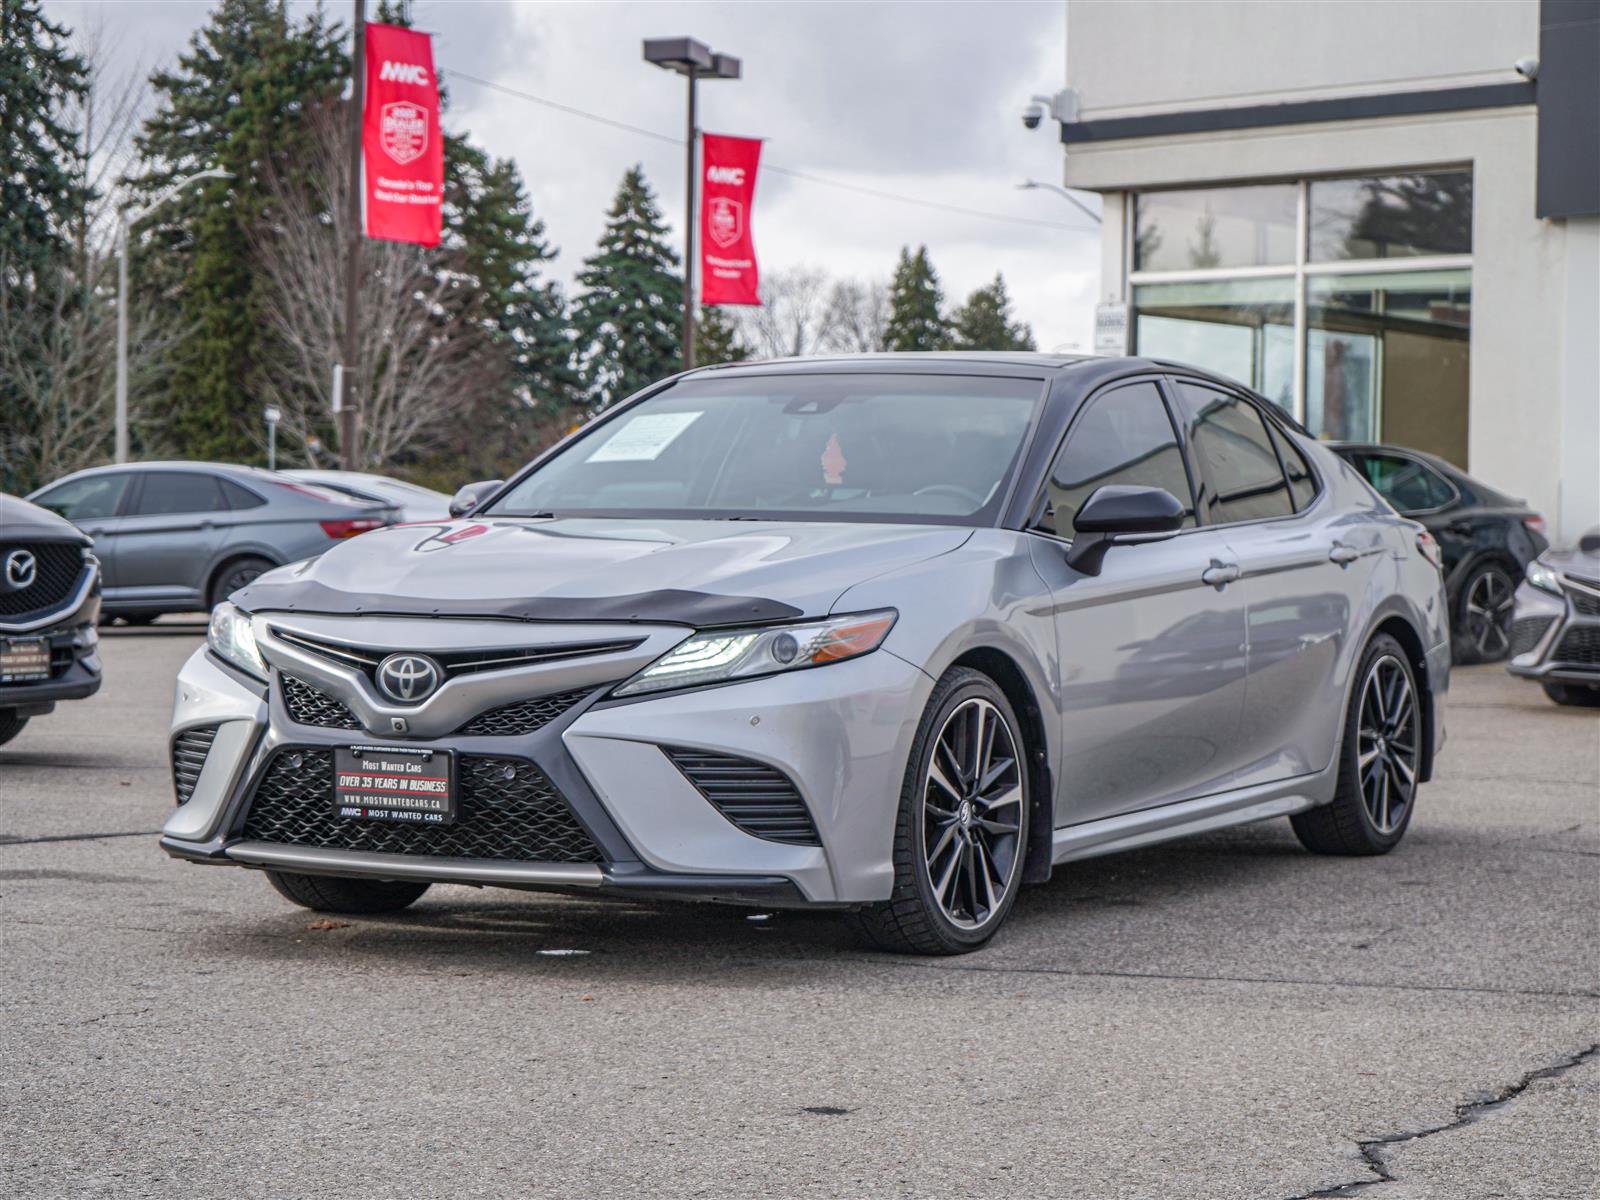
1223 1017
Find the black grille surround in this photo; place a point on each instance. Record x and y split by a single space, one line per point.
189 751
1526 632
1579 645
308 706
759 799
454 662
58 566
506 809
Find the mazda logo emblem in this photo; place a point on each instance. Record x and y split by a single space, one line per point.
21 569
409 678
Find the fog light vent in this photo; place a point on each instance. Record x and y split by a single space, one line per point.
759 799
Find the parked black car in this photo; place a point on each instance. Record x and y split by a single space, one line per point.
1487 539
49 606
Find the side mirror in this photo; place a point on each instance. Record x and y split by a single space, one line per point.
1118 512
471 495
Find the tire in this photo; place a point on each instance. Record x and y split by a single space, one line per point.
331 894
1373 802
10 724
1575 695
233 576
1481 628
969 849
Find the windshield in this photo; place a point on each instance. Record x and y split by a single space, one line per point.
927 448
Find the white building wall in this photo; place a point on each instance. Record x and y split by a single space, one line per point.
1135 57
1580 381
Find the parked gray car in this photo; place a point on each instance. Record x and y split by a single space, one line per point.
181 536
49 606
891 634
1555 627
410 501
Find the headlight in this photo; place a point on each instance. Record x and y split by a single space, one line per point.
743 653
233 640
1543 578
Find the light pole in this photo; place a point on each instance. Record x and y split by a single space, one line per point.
125 223
695 61
1029 184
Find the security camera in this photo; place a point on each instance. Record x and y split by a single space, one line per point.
1528 68
1032 115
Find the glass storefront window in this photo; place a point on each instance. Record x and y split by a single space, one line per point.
1204 228
1241 328
1386 358
1391 216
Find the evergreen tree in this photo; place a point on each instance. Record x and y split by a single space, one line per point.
716 339
915 322
42 196
626 317
984 322
237 99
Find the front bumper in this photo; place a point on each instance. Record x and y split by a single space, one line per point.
74 665
1556 638
841 734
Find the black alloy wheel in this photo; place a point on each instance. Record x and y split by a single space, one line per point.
1483 627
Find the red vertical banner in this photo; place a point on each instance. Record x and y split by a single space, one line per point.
728 272
401 143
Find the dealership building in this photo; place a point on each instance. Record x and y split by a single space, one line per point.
1382 214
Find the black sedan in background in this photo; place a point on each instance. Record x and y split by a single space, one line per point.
1487 539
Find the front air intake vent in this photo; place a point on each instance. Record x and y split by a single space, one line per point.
759 799
307 706
1526 632
525 716
189 751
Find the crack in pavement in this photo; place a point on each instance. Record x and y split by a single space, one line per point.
77 837
1465 1114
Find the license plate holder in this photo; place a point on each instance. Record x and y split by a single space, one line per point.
395 784
24 660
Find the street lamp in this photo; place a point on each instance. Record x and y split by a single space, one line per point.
695 61
124 224
1029 184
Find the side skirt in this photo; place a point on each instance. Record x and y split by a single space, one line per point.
1129 831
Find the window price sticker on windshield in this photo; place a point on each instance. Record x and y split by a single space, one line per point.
642 439
383 783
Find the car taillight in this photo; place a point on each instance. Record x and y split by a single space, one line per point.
350 527
1535 524
1429 549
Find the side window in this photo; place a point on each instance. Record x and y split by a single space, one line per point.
238 497
1121 436
86 499
1406 483
1240 476
1302 483
167 492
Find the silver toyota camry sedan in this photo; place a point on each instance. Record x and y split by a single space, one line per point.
891 634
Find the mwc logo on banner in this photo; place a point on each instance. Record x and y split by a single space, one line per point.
401 147
728 273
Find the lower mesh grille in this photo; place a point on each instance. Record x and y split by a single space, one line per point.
759 799
1587 603
1579 645
525 716
189 750
1525 633
505 809
308 706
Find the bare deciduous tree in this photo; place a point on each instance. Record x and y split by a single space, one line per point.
856 317
422 346
792 317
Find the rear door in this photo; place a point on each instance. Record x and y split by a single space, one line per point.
1304 569
1152 649
169 536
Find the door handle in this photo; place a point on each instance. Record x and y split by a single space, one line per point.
1218 573
1342 554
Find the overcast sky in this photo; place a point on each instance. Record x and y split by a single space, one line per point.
918 99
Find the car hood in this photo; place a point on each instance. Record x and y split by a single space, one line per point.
1582 560
24 522
570 569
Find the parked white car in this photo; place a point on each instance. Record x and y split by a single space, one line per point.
412 502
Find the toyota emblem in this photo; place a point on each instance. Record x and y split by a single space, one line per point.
409 678
21 569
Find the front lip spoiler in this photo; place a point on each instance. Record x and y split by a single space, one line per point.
615 879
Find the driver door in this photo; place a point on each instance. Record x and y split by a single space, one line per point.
1152 649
